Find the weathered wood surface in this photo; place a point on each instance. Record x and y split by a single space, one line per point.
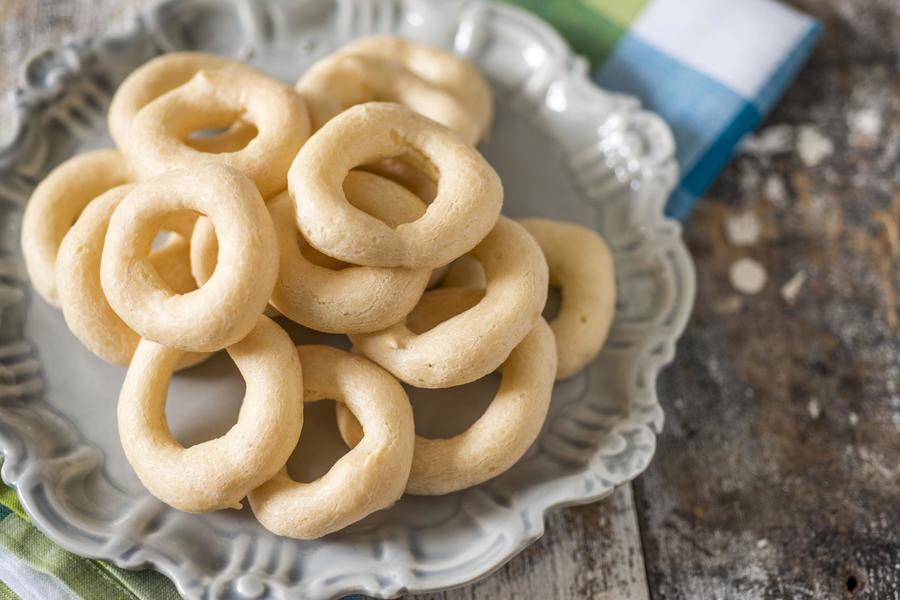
588 552
778 474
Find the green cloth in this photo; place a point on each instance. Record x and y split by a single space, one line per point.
6 593
592 27
86 578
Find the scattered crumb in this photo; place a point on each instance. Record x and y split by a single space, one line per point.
812 146
729 305
742 229
853 418
762 543
813 408
791 288
774 190
749 177
747 276
771 140
865 127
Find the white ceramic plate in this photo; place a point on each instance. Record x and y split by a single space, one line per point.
563 148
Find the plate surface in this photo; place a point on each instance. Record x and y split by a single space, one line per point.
563 148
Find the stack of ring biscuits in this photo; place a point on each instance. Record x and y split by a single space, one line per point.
353 203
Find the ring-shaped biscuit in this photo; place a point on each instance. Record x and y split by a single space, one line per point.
440 68
88 314
370 477
340 81
217 473
507 428
338 298
153 79
55 205
217 98
226 307
581 266
463 212
475 342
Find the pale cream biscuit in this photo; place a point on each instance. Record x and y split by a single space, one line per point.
506 429
370 477
474 343
153 79
463 212
55 205
581 266
216 98
226 307
163 74
440 68
319 293
218 473
338 82
89 316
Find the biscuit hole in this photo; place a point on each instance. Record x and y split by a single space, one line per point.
427 316
554 303
218 140
204 401
320 443
444 413
322 260
465 271
160 238
411 170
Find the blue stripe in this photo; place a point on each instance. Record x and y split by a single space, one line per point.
698 178
694 105
706 117
787 70
680 203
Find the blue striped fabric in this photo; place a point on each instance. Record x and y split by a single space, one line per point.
711 72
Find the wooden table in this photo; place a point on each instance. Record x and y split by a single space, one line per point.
778 473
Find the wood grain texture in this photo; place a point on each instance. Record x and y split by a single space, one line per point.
588 552
778 473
